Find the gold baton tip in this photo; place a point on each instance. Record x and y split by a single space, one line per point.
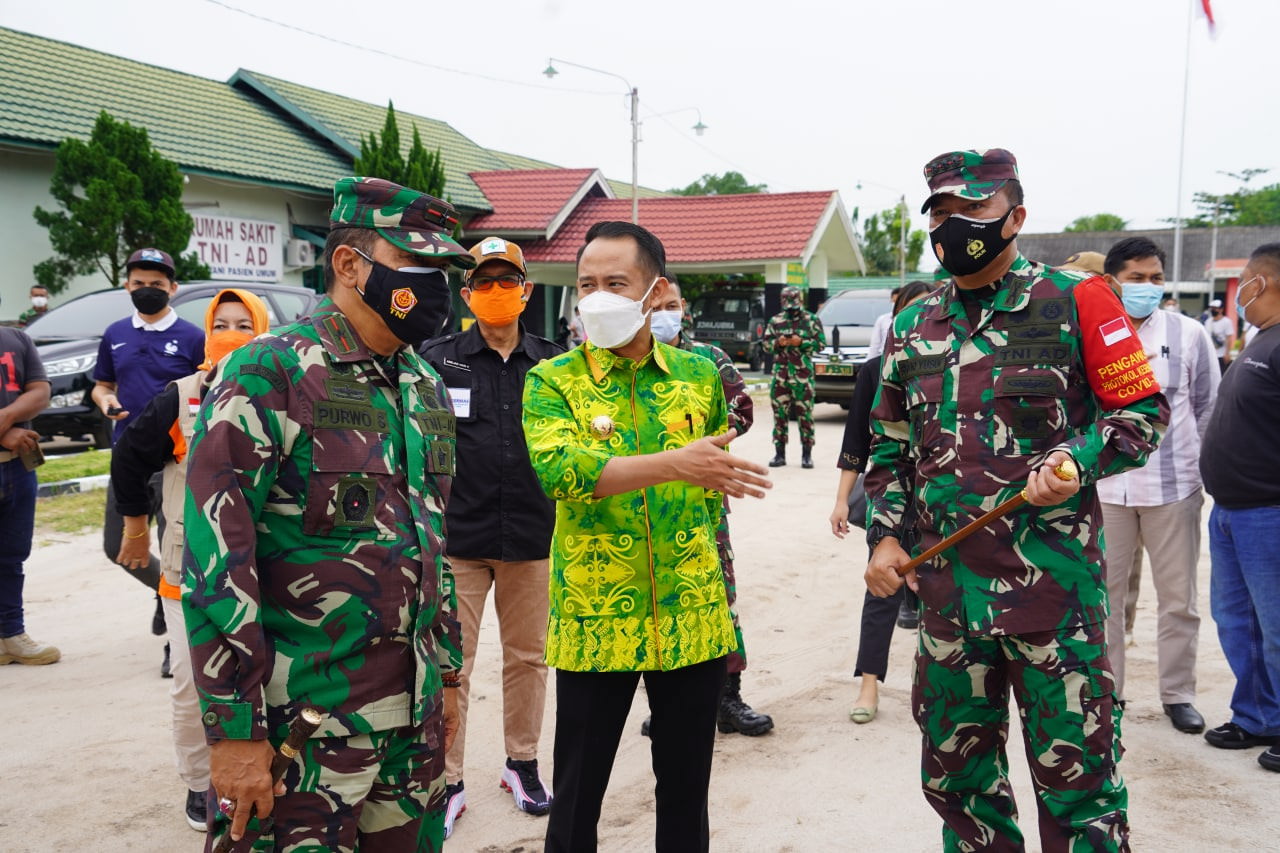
312 716
1067 470
288 751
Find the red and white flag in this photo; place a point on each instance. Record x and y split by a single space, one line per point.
1207 11
1114 331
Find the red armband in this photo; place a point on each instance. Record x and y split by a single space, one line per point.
1114 360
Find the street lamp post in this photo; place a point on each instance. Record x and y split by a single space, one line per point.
634 93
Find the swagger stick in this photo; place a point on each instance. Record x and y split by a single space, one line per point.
1066 471
308 720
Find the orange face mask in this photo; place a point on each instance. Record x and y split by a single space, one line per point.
498 306
218 344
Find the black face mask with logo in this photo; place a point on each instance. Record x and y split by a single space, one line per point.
968 245
413 302
149 300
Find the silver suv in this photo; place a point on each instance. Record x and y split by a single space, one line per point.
847 320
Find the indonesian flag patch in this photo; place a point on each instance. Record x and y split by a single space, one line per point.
1115 331
1115 362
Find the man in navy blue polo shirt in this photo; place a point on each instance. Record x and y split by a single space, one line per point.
140 355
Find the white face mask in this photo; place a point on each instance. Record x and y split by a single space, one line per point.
612 320
1242 308
39 301
666 325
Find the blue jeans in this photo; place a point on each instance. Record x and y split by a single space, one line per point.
17 525
1244 593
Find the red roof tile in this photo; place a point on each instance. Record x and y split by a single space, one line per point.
525 199
700 229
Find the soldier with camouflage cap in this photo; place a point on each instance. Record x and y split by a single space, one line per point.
316 573
792 337
1008 370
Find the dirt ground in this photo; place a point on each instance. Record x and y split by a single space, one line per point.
86 761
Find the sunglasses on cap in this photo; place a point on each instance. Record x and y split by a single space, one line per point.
485 282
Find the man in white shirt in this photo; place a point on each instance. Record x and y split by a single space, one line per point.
1160 503
880 331
1222 331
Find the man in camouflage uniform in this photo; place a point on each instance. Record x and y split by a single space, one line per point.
39 305
315 572
792 337
673 325
1006 372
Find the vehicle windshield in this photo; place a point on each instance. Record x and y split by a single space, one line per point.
86 317
711 306
854 311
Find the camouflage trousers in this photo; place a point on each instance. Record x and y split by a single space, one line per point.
737 659
378 792
1064 689
789 395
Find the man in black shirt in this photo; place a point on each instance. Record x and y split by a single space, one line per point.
24 393
499 520
1240 466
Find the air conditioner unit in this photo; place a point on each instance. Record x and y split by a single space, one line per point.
300 253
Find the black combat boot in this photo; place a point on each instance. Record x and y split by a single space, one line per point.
781 458
736 715
806 457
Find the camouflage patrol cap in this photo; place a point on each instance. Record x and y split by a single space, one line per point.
1086 262
408 219
969 174
791 295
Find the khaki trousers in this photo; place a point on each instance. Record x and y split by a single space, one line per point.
520 598
1171 535
189 747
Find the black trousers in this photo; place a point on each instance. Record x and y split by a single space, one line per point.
113 533
879 616
591 710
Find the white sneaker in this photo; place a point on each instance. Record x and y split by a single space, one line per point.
455 803
20 648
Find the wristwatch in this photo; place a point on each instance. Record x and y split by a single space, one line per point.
876 532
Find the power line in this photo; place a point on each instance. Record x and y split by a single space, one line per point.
396 56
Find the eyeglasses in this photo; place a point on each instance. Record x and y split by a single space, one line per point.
484 282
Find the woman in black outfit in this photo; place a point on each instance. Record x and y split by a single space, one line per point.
878 614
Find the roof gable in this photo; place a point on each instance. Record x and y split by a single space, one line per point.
534 202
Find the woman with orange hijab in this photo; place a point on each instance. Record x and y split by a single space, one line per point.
157 442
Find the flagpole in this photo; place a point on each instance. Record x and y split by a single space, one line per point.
1182 148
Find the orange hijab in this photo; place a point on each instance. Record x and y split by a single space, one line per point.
218 344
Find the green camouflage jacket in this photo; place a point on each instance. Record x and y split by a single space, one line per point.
794 362
963 416
315 571
635 578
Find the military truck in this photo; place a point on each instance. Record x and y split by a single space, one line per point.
732 319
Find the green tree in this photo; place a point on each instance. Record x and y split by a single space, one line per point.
730 183
1244 206
1097 222
380 157
116 193
880 239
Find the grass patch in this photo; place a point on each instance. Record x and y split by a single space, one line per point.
74 513
87 464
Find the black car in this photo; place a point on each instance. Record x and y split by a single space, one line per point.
848 319
67 339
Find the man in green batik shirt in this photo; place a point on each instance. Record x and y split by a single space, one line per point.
315 572
627 435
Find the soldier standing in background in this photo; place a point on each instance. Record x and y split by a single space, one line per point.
315 572
792 337
39 305
670 326
1011 369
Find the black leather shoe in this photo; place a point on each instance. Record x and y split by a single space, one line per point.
778 461
1185 717
1231 736
806 461
1270 759
645 727
908 617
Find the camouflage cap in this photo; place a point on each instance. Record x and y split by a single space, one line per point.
1092 262
969 174
497 249
408 219
791 295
